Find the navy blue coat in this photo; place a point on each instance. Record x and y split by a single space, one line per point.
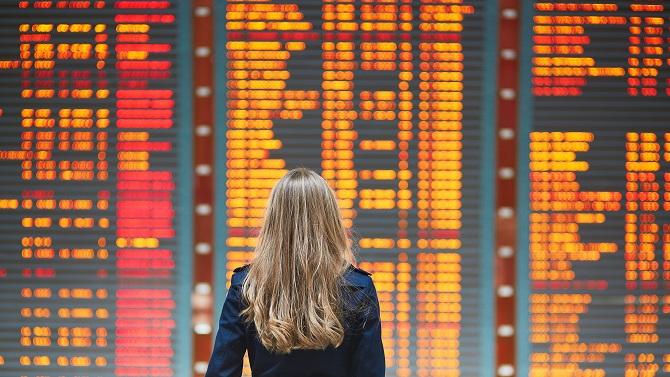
360 355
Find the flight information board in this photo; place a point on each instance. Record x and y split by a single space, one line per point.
599 188
386 100
90 221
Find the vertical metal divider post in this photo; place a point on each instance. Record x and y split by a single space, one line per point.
203 184
506 196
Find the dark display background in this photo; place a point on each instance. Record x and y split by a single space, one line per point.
94 188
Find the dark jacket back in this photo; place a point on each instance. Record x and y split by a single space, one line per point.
360 354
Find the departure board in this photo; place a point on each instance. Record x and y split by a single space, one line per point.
385 100
90 221
598 180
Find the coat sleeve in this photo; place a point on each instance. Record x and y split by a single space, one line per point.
369 358
229 344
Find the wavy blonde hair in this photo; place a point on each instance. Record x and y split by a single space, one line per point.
292 290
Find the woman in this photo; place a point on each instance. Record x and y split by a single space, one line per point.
300 308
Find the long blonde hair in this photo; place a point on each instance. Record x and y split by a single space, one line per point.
292 290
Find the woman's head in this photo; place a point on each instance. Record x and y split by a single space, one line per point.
292 288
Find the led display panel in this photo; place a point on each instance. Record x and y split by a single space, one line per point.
598 160
385 99
90 215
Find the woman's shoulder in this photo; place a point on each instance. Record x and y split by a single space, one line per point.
239 274
357 276
359 298
242 268
353 276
